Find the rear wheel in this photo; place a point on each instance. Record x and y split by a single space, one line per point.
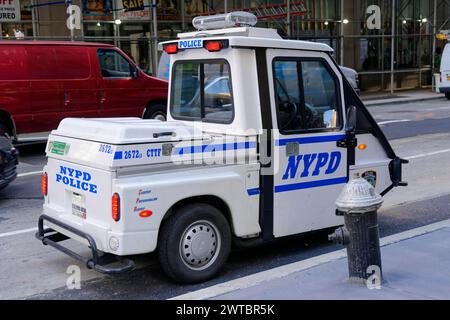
194 243
447 95
156 111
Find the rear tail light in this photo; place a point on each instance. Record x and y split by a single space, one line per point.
171 48
44 184
212 46
115 210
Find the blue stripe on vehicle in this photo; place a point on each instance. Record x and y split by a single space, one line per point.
307 140
215 147
118 155
253 192
309 184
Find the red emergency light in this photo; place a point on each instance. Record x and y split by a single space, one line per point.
212 46
171 48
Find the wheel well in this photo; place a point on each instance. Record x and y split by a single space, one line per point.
7 121
208 199
153 103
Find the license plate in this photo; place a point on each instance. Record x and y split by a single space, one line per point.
78 205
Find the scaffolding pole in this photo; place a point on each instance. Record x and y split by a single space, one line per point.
433 57
392 45
288 19
155 38
341 55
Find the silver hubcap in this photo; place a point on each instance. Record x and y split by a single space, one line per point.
199 245
159 117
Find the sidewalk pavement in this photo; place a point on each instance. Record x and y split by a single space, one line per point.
377 99
416 265
415 268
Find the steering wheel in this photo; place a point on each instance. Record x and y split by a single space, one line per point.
285 106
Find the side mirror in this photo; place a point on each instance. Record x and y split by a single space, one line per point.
350 125
134 71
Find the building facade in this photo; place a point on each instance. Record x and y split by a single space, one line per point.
391 43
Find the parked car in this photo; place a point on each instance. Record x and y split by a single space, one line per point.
352 77
8 161
444 86
42 82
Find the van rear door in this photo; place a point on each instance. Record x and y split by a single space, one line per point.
14 85
445 68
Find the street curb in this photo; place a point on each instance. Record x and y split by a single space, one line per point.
375 103
285 270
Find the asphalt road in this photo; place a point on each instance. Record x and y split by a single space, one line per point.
420 131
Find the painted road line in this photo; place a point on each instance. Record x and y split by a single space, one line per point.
26 174
13 233
279 272
423 155
393 121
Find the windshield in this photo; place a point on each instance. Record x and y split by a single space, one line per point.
202 91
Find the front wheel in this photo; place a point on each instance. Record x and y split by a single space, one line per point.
194 243
447 95
3 131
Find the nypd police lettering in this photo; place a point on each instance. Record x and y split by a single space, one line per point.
76 179
189 44
323 163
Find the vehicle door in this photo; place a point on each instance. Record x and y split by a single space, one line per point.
77 84
121 93
310 169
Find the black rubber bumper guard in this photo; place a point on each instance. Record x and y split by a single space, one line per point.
98 262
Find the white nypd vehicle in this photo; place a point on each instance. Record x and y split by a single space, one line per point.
262 134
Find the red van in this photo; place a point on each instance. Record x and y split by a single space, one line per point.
42 82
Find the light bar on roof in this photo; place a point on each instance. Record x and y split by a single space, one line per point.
226 20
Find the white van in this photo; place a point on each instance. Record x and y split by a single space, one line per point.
444 87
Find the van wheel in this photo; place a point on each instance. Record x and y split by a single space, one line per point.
194 243
447 95
156 111
3 131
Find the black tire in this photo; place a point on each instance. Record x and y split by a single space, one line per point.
447 95
4 131
180 262
156 111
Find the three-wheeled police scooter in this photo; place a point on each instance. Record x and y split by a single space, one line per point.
262 134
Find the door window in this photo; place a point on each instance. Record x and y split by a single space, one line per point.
306 95
113 64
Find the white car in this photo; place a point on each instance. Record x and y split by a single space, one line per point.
352 77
